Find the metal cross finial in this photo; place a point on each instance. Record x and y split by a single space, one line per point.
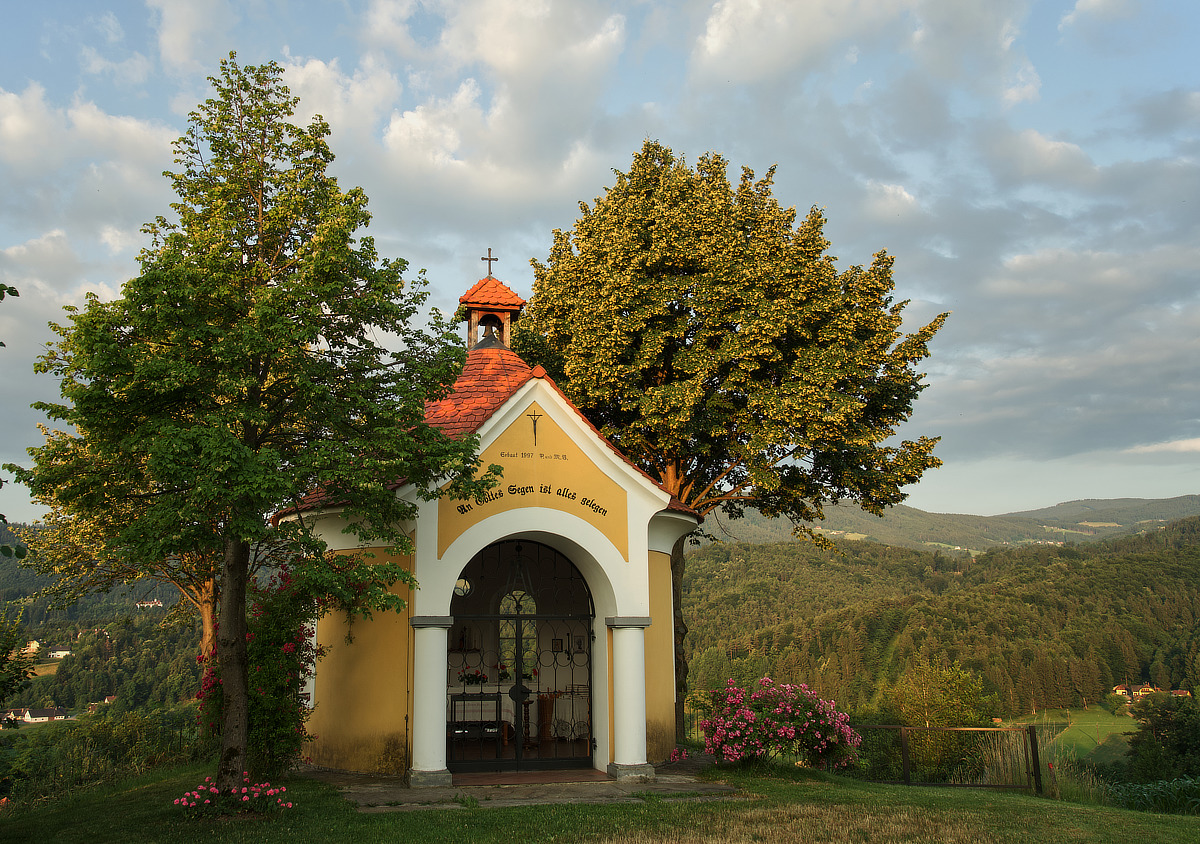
489 259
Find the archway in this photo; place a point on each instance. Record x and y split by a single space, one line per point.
519 661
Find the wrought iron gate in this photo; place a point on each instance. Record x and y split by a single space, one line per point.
519 665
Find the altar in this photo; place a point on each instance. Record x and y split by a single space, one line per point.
493 710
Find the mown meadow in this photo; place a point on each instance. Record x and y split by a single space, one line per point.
777 804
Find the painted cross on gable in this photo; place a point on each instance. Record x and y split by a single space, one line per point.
535 417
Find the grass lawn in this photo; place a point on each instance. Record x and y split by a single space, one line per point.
782 805
1092 735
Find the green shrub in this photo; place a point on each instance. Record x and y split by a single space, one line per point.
1177 797
52 760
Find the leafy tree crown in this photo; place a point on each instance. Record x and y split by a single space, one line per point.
711 337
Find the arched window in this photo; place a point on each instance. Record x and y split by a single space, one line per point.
518 636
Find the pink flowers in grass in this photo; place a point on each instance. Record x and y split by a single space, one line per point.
250 797
777 719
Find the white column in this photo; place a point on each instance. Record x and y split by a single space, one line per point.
429 701
629 698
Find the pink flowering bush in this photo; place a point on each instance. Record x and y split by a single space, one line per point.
280 646
281 653
206 800
777 719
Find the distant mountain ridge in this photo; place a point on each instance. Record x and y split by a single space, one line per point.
1086 520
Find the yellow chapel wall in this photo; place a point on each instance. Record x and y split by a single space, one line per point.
660 662
364 689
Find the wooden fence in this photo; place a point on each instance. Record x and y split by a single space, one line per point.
1010 760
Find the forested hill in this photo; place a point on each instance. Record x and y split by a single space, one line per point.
1044 625
1073 521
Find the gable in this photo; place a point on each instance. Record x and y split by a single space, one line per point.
546 468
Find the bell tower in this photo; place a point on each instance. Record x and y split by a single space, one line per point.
492 306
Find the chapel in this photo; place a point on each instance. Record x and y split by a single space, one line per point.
541 634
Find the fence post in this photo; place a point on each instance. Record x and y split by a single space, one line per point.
904 755
1037 763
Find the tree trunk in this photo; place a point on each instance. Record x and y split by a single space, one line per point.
231 654
681 629
207 599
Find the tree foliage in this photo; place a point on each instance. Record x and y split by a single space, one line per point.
72 551
711 338
242 369
143 663
15 664
1043 626
930 695
8 550
7 290
1167 742
714 341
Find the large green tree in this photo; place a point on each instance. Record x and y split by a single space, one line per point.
15 664
6 550
242 369
712 338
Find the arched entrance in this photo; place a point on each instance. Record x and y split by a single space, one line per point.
519 662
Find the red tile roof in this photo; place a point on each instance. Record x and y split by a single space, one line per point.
490 292
489 378
491 375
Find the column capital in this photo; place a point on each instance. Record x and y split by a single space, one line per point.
627 621
446 621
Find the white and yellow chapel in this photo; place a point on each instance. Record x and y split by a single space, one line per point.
541 634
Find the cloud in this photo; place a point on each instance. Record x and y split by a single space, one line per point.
973 46
385 26
1041 185
886 201
751 40
134 70
498 105
41 260
352 103
1166 113
110 27
78 167
1097 9
433 131
1024 85
192 34
28 127
1191 446
1028 155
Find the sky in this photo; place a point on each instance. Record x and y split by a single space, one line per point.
1033 166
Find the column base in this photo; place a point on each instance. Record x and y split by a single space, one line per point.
638 773
430 779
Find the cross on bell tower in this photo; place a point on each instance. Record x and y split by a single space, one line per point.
489 260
